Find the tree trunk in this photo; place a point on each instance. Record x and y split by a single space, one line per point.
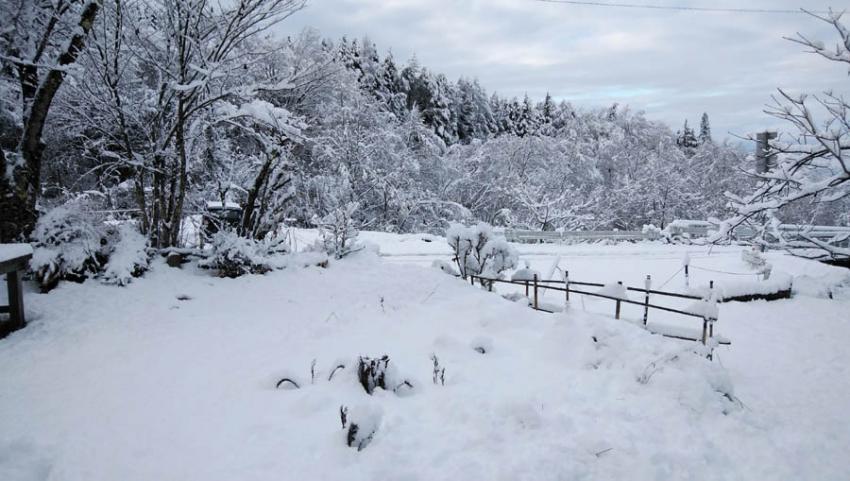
18 198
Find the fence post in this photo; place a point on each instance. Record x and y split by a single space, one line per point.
472 279
648 284
567 284
535 291
526 288
617 311
490 286
711 298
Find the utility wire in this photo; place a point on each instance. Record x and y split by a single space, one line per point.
682 8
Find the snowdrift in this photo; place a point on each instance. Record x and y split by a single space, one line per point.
173 377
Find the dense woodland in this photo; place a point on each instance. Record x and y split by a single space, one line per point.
162 106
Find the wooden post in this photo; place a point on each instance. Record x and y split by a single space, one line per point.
567 284
16 300
711 298
472 279
617 309
704 331
535 291
648 285
687 277
490 286
526 288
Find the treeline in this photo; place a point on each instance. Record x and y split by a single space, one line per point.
172 104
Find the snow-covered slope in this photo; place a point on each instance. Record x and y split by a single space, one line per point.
172 378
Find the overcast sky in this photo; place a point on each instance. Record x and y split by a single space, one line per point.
672 65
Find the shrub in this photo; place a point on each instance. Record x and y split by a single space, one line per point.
477 252
338 232
74 242
232 255
129 257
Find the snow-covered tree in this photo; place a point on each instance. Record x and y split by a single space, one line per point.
704 129
812 165
39 43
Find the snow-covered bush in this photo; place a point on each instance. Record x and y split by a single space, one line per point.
232 255
71 242
74 242
445 267
525 274
129 257
372 373
755 260
477 252
360 424
652 231
338 231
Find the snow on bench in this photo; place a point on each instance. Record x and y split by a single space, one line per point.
14 251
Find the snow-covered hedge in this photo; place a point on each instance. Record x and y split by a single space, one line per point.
73 242
477 252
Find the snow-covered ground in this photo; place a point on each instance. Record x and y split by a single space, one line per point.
172 377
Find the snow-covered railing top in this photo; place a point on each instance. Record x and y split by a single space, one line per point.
679 227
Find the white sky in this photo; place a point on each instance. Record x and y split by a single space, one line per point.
673 65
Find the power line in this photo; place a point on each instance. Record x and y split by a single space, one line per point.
680 8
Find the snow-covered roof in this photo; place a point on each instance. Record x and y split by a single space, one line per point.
218 205
11 251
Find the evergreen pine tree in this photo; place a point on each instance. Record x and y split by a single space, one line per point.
687 139
704 130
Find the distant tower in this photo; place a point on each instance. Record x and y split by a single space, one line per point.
765 160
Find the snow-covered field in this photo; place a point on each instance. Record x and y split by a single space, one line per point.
172 377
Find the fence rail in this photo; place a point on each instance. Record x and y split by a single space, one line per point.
533 286
689 228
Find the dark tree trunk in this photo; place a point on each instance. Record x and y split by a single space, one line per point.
18 197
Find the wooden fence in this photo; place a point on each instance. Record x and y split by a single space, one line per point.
680 228
515 235
533 287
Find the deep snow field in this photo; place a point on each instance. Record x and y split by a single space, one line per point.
173 377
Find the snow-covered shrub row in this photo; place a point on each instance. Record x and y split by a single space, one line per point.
74 242
478 252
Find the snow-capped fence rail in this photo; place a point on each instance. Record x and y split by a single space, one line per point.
704 307
515 235
679 229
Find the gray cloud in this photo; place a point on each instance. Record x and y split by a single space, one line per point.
673 65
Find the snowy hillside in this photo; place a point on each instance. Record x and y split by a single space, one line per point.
173 377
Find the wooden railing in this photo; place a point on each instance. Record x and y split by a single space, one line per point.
534 286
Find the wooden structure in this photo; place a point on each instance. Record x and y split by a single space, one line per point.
516 235
14 259
533 286
679 229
